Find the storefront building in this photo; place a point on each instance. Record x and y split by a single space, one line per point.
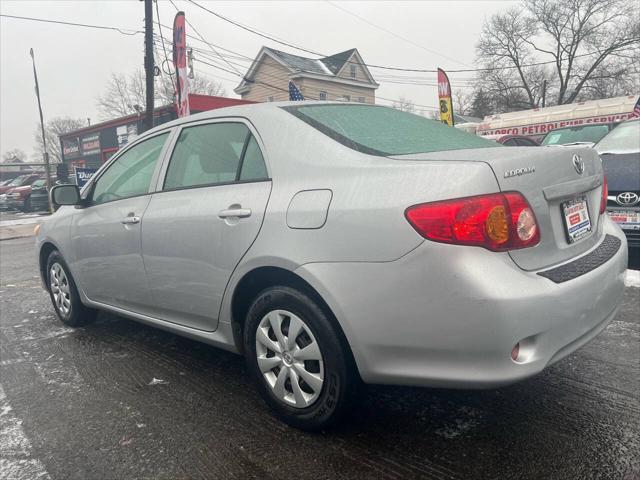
90 147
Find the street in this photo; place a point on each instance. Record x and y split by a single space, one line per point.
118 399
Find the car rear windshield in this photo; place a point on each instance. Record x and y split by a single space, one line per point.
384 131
625 138
563 136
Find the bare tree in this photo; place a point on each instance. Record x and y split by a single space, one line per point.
14 155
404 105
581 40
125 94
52 130
462 102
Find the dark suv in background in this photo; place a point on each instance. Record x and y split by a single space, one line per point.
620 153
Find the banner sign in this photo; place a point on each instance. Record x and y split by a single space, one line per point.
83 175
444 98
543 128
90 144
70 147
180 65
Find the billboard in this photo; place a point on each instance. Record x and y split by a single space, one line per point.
126 133
444 98
90 144
70 147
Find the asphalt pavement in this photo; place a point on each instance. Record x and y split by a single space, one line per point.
120 400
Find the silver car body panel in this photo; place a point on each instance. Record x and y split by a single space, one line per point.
413 311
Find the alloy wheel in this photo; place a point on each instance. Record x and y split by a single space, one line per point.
60 289
289 358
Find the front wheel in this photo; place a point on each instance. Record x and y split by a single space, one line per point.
64 293
298 360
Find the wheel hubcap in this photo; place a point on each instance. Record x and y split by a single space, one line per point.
60 289
289 358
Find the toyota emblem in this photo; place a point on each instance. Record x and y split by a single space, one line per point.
627 198
578 164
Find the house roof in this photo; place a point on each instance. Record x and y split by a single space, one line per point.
300 66
337 61
295 62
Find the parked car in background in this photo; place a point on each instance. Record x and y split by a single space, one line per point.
39 196
620 153
26 179
513 140
20 198
587 135
14 183
336 243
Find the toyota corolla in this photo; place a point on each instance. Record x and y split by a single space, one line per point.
340 244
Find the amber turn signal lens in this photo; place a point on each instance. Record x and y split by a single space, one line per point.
496 225
36 229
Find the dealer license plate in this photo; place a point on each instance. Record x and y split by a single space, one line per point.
576 218
627 219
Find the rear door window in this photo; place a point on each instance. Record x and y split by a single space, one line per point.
213 154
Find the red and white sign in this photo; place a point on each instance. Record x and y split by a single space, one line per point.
543 128
180 65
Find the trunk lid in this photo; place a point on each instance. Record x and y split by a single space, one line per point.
547 177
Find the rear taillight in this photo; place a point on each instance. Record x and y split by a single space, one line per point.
605 194
498 222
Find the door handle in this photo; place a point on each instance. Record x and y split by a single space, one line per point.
130 220
237 212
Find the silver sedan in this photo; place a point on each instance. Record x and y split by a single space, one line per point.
341 244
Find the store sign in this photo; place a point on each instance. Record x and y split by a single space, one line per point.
126 133
543 128
83 175
70 147
90 144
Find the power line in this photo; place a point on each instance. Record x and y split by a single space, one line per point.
198 33
346 89
164 48
392 33
401 69
86 25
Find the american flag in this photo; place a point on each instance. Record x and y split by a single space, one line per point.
636 109
294 93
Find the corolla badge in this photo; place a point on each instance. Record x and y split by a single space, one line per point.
516 172
627 198
578 164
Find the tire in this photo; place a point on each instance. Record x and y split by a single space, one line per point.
313 405
64 293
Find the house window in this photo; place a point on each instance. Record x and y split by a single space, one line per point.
361 99
354 70
346 98
323 96
270 99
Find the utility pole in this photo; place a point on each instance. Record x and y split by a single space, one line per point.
148 61
544 93
44 137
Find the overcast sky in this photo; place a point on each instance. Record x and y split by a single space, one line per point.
74 63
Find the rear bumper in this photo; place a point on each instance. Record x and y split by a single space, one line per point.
449 316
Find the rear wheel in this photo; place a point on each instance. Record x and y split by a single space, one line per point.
64 293
296 357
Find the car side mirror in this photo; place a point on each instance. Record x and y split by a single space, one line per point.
65 195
